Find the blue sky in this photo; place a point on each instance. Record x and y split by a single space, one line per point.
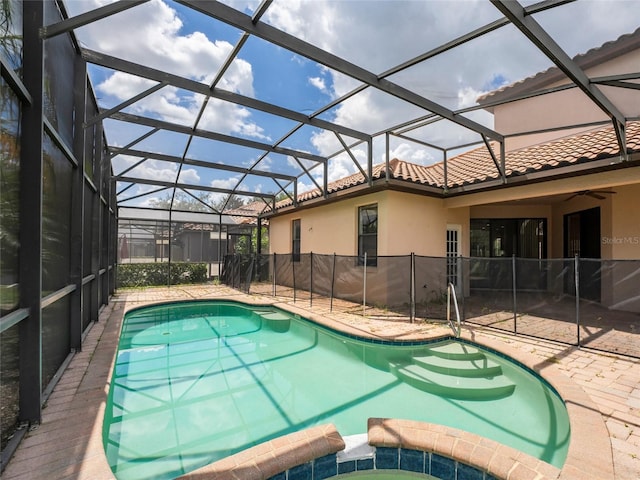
375 35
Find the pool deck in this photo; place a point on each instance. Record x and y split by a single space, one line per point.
602 393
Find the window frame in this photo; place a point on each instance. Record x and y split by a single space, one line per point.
515 244
296 239
372 260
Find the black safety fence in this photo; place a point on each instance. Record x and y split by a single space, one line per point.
586 302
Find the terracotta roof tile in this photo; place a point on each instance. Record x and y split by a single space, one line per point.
477 165
246 214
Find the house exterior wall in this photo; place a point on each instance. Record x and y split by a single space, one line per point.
406 223
622 277
625 223
413 224
565 108
325 229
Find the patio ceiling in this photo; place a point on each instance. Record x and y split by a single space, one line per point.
261 101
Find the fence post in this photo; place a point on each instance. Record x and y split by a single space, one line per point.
311 280
333 281
256 266
249 273
364 286
412 289
576 270
460 261
274 275
514 286
293 270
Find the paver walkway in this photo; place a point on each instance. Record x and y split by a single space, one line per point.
68 443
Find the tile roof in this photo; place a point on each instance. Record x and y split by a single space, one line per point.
595 56
247 214
477 165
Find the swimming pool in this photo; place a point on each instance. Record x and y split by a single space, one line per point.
196 382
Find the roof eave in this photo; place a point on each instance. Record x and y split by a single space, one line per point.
556 173
361 189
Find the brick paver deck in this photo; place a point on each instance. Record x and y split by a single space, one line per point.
68 443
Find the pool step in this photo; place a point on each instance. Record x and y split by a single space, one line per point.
276 321
452 386
456 351
475 367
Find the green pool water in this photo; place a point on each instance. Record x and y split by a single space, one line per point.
196 382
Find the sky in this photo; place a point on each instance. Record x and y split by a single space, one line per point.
376 35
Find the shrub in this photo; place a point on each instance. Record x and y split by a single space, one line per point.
151 274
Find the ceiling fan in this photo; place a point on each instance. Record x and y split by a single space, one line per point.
590 193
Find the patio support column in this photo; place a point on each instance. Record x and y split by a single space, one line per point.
170 230
325 184
311 279
30 197
514 286
576 272
274 275
370 161
444 166
388 152
77 204
293 270
259 237
96 285
333 281
364 285
220 246
106 225
412 289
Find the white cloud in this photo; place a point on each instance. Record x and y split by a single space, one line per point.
319 83
189 175
340 167
225 183
152 34
413 154
373 35
380 35
154 170
467 96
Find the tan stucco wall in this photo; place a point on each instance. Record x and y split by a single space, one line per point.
621 279
406 223
414 224
625 233
325 229
565 108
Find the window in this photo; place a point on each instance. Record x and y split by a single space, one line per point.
503 237
295 240
368 234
